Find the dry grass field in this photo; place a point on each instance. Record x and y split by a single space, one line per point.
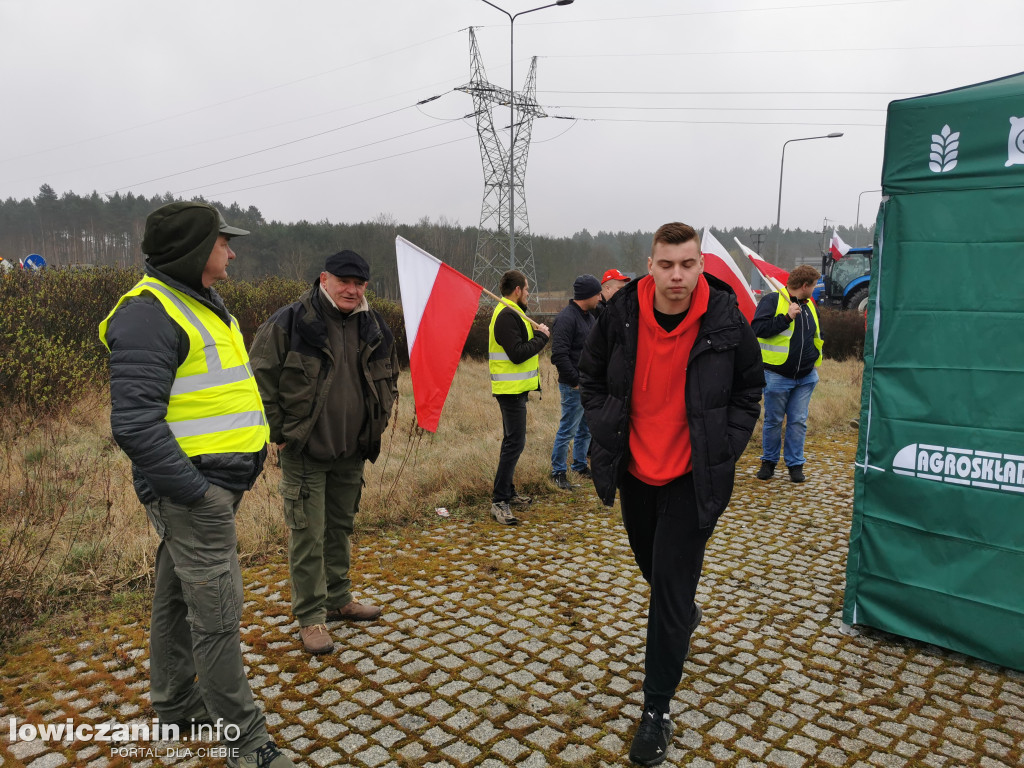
71 525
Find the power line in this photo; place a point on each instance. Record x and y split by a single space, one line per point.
446 81
322 157
741 93
284 144
721 11
830 50
721 109
341 168
711 122
226 101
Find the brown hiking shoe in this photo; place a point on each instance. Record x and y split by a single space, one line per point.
316 639
354 612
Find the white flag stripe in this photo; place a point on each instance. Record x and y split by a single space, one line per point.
710 244
417 271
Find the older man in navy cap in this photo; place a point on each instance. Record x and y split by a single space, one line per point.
327 369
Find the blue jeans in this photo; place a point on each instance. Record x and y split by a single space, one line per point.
789 398
572 427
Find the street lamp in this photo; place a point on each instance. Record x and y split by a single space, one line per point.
782 165
512 121
856 224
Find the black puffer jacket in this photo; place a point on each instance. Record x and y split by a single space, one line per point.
146 348
724 379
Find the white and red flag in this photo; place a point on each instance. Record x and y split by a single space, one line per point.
837 247
719 263
439 304
776 276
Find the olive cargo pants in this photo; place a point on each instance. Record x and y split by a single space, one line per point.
197 611
321 499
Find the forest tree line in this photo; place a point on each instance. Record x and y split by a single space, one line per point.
106 230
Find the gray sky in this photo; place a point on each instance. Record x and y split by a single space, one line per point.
683 106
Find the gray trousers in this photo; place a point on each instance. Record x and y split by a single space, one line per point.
195 652
321 499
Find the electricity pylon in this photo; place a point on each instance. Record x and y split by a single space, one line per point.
499 248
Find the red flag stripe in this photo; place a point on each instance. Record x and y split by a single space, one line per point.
443 328
714 265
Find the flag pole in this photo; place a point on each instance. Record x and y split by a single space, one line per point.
507 303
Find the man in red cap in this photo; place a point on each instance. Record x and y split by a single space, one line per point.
611 282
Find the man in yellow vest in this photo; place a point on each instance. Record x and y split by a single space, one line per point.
186 410
788 330
513 343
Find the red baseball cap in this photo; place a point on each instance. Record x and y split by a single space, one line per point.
613 274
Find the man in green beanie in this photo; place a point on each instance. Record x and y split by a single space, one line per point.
186 410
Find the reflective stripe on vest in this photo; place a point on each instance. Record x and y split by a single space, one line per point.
775 349
215 405
507 378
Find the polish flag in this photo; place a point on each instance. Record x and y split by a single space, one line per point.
719 263
776 276
837 247
439 304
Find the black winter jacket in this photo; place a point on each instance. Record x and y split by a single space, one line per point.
146 348
571 328
724 379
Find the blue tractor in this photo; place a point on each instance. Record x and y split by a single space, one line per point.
844 282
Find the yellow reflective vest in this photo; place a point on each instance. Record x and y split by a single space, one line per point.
775 349
507 378
215 405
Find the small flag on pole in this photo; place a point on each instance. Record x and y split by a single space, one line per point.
718 262
439 304
776 276
837 247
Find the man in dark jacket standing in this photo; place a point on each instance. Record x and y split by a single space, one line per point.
327 368
186 410
571 328
671 378
787 328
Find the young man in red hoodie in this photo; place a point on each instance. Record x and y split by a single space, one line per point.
670 380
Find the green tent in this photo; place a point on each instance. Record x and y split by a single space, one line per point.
937 539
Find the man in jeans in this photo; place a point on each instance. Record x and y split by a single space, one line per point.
513 341
788 330
572 326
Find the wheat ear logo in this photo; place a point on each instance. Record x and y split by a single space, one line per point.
945 147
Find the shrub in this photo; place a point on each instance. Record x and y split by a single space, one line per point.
843 331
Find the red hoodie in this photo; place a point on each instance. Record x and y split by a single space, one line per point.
659 434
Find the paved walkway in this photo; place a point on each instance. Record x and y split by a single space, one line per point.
524 646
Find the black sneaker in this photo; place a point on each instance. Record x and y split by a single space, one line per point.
585 472
766 471
560 480
796 473
650 743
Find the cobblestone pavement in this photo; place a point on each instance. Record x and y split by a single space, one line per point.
524 646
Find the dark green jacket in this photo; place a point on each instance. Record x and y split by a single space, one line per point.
292 361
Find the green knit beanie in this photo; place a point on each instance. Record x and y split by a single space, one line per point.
179 239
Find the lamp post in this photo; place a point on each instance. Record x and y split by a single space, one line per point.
856 224
512 121
782 165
